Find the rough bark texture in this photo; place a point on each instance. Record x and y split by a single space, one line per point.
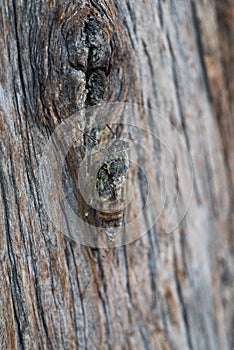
162 291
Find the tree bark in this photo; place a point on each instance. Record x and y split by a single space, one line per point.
163 291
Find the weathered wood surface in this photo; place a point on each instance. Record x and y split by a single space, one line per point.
162 291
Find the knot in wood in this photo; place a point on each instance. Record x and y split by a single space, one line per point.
88 44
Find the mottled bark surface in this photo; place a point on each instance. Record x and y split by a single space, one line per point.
162 291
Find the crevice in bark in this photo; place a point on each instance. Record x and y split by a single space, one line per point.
40 307
107 323
152 263
19 52
150 65
16 293
177 91
81 297
197 33
225 17
183 122
160 13
144 337
132 16
182 303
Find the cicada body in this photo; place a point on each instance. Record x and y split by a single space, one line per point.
111 181
110 192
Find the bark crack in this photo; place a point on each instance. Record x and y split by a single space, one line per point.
182 302
197 32
16 295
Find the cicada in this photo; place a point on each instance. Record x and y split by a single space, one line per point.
111 190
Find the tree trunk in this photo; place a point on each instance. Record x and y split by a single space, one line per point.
162 290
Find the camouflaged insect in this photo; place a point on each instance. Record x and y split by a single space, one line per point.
113 172
111 182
